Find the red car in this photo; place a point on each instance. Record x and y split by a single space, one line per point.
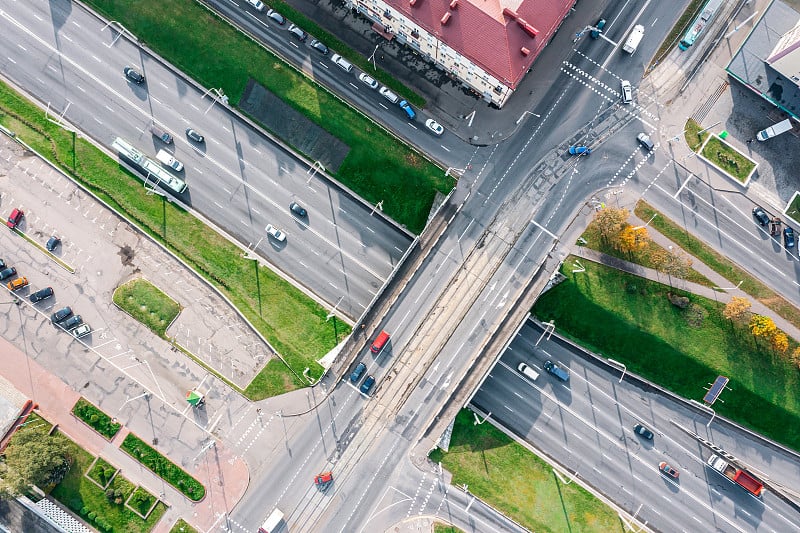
668 470
323 478
15 218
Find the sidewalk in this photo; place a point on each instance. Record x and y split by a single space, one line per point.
224 476
694 288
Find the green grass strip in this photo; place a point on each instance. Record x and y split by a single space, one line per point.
182 527
728 159
163 467
294 324
630 319
515 481
719 264
378 167
677 32
148 304
95 418
694 134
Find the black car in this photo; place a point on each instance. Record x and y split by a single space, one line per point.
761 216
367 385
42 294
193 135
298 32
297 209
60 315
356 375
319 46
2 264
52 242
277 17
643 431
7 273
788 237
134 75
72 322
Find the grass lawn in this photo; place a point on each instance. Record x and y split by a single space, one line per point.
148 304
163 467
95 418
182 527
728 159
378 166
141 501
643 257
793 210
630 319
693 136
86 499
294 324
439 527
102 471
719 264
518 483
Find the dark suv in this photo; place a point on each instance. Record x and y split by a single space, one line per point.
7 273
356 375
760 215
134 75
367 385
297 209
42 294
72 322
60 315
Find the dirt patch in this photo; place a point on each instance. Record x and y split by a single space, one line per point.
126 255
293 127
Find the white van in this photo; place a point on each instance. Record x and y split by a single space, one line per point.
343 64
528 372
166 158
389 95
272 523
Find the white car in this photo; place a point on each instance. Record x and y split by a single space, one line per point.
167 158
369 81
258 5
627 92
275 233
434 127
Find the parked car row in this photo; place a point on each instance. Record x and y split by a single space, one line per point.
301 35
775 223
355 377
9 272
66 320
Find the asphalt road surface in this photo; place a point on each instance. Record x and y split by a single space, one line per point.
586 425
238 179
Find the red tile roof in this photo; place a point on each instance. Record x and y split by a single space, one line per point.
491 33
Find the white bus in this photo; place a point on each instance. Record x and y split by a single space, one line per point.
149 167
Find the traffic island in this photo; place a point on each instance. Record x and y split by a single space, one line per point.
728 160
792 210
163 467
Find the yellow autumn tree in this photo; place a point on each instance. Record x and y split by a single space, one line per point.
632 239
762 326
609 223
779 342
737 309
796 356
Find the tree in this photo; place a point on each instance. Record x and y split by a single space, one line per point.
632 240
673 263
796 356
762 326
35 459
779 342
737 309
609 222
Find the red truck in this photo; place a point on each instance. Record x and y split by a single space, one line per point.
741 477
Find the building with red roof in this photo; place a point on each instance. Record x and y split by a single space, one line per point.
489 45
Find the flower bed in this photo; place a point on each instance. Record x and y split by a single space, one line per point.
163 467
95 418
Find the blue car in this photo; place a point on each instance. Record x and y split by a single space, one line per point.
367 385
356 375
580 150
408 109
788 237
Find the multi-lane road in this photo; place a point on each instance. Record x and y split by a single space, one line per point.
519 197
238 179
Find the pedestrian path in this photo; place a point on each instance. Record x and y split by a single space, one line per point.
722 296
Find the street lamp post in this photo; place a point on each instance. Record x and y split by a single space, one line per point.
646 223
706 408
617 363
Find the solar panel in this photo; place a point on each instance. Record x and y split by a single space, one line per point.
715 390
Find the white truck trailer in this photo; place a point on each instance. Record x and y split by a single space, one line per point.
634 39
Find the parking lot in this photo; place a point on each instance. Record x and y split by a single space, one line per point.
104 251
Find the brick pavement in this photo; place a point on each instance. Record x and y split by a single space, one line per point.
224 475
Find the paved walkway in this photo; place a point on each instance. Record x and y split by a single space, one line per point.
224 476
694 288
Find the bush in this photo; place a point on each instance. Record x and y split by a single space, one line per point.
92 516
163 467
95 418
681 302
